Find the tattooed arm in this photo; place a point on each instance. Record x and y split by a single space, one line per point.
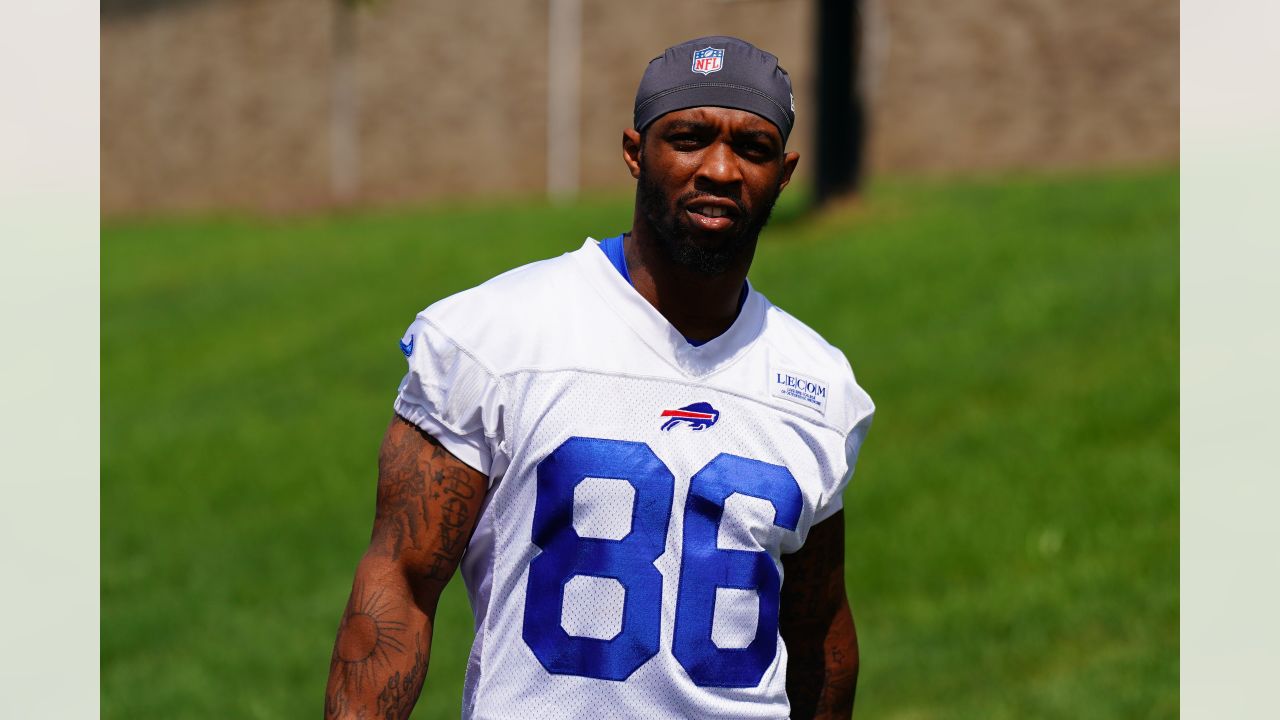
816 625
428 503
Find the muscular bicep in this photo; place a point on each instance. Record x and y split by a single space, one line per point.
428 504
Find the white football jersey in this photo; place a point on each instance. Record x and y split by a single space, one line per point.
627 562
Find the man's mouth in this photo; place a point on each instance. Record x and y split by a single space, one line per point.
713 216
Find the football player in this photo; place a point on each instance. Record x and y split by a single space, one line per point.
634 457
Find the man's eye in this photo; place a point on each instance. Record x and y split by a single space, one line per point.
684 140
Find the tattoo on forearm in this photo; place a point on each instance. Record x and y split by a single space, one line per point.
367 639
370 644
335 706
397 698
426 509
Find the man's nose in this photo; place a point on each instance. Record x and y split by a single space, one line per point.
719 166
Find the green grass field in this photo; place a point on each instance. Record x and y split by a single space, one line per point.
1012 529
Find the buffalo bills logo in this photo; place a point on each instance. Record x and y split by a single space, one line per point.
698 416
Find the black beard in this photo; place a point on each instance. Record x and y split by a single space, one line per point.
673 229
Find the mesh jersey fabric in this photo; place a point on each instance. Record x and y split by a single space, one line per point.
631 475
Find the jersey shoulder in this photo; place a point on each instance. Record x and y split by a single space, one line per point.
800 355
502 320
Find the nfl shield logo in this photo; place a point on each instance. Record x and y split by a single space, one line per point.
708 60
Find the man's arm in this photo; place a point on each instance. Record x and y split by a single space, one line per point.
816 625
428 503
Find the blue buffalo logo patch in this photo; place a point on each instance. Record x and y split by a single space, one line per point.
698 416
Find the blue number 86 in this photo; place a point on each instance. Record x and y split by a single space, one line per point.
630 561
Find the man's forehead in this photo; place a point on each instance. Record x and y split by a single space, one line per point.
732 118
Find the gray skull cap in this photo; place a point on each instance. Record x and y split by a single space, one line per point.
719 71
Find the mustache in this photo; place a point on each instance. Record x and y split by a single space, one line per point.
694 195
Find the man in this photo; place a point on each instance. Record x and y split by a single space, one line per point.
633 447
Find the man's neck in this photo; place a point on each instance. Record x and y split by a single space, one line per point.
699 306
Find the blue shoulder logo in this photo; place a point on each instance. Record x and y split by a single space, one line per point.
698 416
407 347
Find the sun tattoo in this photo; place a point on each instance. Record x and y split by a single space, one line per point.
367 637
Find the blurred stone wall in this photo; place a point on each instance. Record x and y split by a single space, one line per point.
1012 84
224 104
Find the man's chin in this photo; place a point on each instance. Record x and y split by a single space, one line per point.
719 243
708 253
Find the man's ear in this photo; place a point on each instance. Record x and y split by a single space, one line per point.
631 151
788 166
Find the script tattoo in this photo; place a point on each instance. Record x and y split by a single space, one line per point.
397 698
453 493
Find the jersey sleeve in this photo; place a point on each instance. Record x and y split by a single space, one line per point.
860 411
834 501
450 395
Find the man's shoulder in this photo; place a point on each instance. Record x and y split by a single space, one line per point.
801 358
509 310
789 336
504 294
